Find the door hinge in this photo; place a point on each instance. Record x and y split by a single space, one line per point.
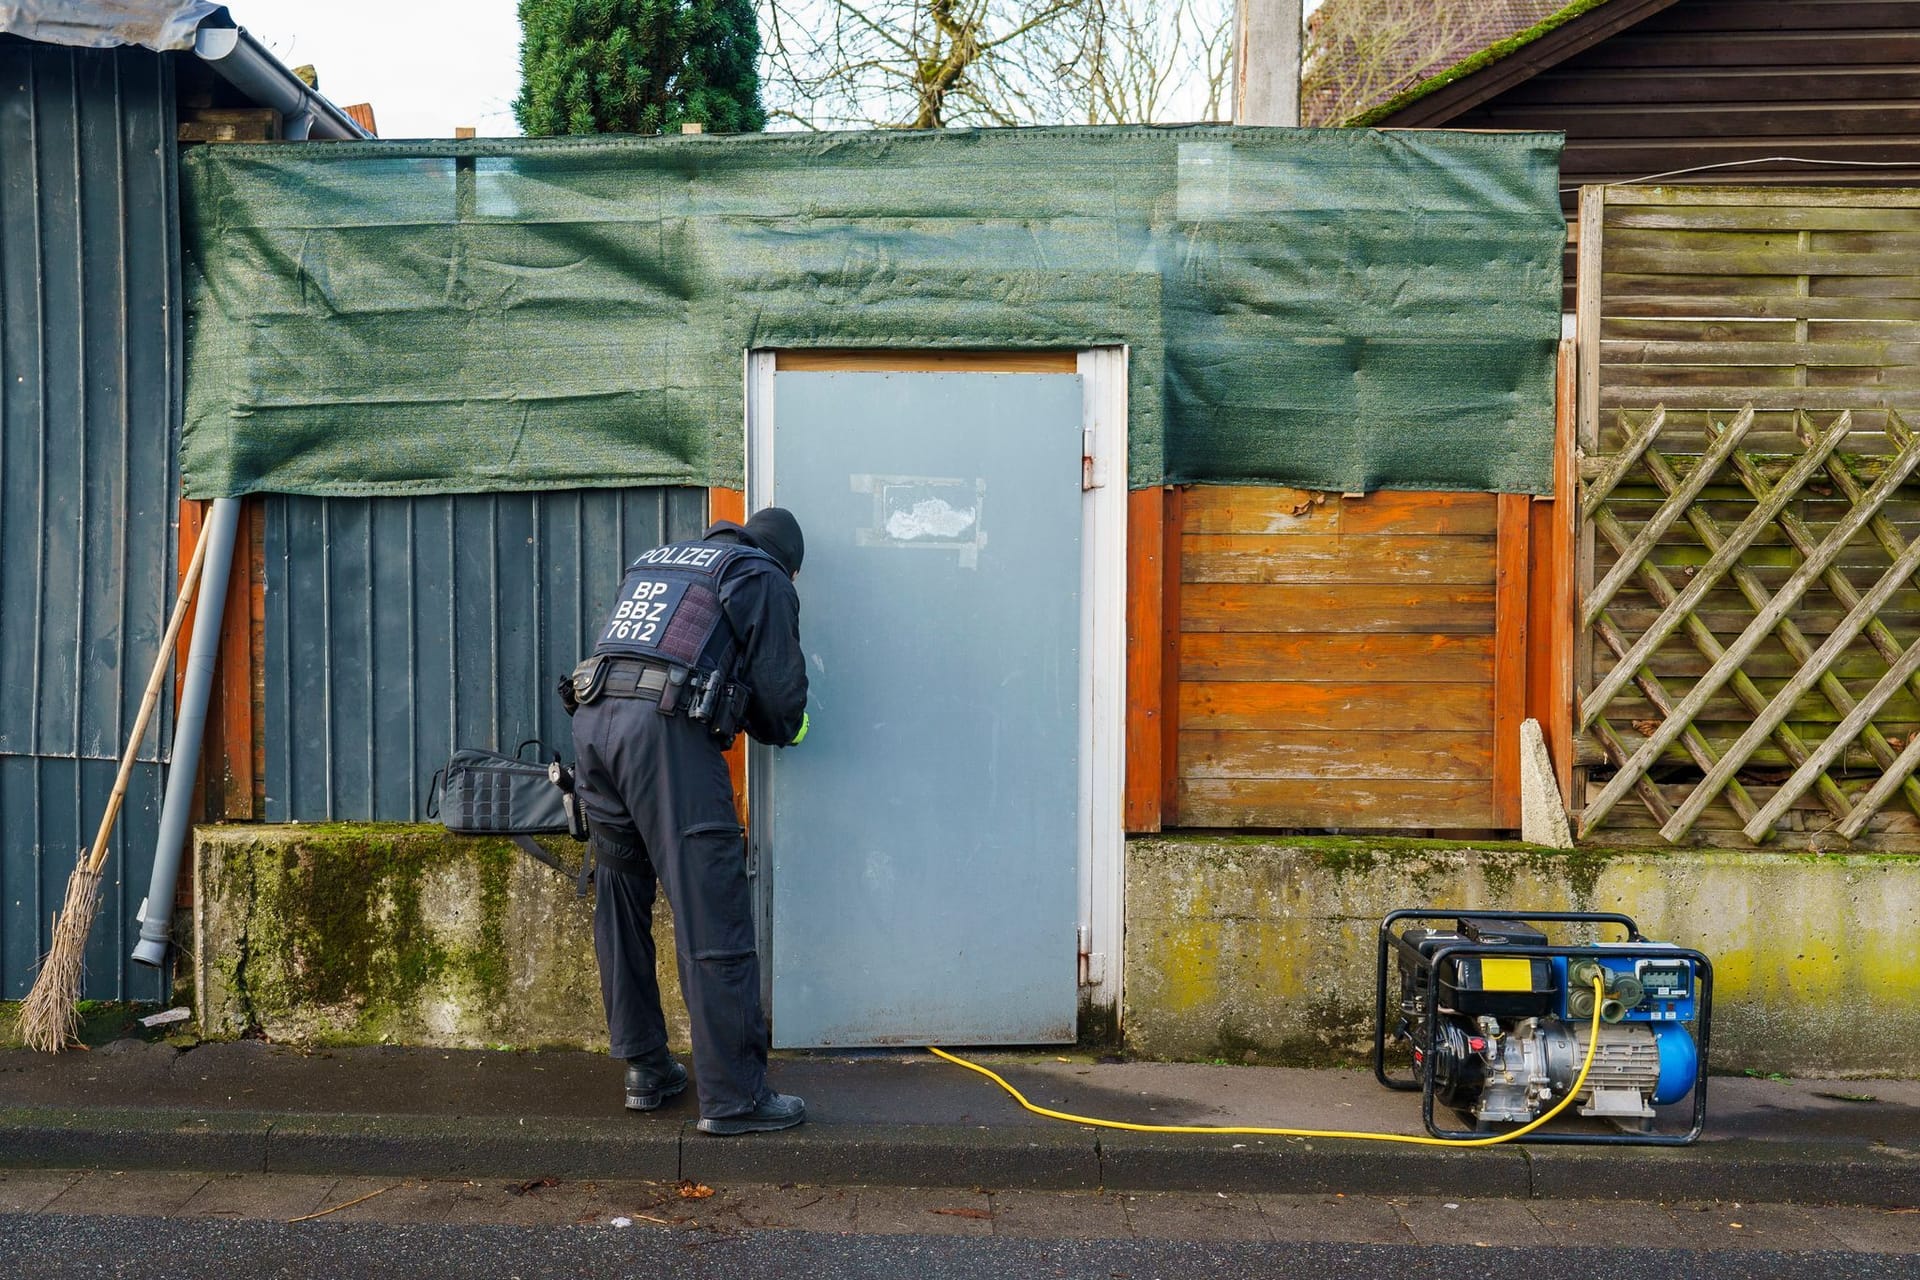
1089 476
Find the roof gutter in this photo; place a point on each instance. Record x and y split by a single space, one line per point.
245 64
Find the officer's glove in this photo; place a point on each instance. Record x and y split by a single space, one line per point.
800 737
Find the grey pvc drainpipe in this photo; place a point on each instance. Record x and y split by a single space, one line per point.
245 64
156 913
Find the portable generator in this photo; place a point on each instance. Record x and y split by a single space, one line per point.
1499 1021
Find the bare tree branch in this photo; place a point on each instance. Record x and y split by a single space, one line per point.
934 63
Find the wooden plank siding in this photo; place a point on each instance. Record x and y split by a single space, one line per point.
1644 89
1706 82
1144 768
731 504
1337 659
1792 300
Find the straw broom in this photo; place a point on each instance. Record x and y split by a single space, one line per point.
50 1017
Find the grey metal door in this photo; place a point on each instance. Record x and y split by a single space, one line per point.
922 843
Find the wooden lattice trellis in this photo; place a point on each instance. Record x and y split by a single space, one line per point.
1636 532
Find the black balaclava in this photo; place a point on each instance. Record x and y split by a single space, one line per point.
776 532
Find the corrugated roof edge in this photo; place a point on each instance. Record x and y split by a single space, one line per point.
1486 57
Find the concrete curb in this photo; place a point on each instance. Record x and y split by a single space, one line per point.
1063 1158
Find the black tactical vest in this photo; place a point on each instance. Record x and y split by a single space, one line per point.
668 609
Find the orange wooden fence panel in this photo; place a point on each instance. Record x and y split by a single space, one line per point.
1337 657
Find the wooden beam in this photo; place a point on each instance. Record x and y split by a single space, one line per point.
193 518
1615 468
727 504
1294 802
193 514
1146 657
731 504
230 780
1587 304
232 783
257 610
1511 561
1266 62
1173 523
1364 706
1556 716
1586 440
836 360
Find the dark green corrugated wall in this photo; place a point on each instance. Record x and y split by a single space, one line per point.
89 405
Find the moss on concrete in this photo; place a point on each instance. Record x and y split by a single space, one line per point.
1241 946
101 1021
1238 948
361 933
347 906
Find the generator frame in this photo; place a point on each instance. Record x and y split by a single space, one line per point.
1424 1081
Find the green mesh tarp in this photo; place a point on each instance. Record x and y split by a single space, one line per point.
1334 309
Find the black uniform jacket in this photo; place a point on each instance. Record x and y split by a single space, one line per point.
764 611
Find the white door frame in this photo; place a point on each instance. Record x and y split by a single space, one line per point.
1103 648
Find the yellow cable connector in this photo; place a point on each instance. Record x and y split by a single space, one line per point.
1418 1140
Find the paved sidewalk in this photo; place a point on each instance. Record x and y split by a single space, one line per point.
903 1120
695 1211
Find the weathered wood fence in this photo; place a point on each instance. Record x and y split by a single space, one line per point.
1749 659
1336 659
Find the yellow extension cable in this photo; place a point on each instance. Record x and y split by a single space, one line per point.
1418 1140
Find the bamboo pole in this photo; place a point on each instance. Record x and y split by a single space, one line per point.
49 1018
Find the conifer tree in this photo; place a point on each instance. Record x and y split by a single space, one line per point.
638 66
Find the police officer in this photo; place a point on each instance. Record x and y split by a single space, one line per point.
703 641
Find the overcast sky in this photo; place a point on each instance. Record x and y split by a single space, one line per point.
425 65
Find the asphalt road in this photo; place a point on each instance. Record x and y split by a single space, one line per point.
72 1246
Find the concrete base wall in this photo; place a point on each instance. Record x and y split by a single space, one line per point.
401 934
1247 950
1263 950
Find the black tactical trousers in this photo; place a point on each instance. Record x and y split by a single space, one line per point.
658 796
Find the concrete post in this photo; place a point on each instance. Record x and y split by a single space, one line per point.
1266 62
1543 815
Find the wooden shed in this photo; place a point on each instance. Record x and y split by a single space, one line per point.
1729 91
1702 92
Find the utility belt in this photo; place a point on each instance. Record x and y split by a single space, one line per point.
707 698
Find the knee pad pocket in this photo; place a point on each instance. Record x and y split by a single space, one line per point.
716 921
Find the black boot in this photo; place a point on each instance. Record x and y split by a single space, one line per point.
774 1111
652 1079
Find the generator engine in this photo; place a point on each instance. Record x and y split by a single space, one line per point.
1498 1021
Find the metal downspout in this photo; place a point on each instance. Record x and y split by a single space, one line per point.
245 64
156 914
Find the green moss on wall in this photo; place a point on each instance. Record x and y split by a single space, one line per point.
101 1021
361 933
1266 946
336 917
346 909
486 964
